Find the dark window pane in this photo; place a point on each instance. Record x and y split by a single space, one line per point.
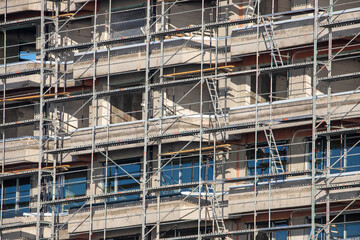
128 23
75 183
16 205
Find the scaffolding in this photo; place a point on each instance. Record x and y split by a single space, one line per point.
179 119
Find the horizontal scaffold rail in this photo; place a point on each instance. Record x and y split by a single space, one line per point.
32 97
22 123
31 171
269 176
21 225
225 147
340 186
228 67
33 21
23 73
341 23
340 77
22 23
97 94
339 131
241 232
152 138
173 83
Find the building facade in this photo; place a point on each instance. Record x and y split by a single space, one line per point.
180 119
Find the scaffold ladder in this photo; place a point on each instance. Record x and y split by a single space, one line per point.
215 102
334 232
272 45
215 208
250 10
274 155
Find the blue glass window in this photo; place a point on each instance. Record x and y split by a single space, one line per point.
75 183
123 176
263 165
344 153
343 227
185 170
16 197
281 235
278 235
70 184
352 230
351 158
10 197
24 195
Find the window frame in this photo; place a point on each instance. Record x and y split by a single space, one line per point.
114 180
181 165
342 222
343 149
265 159
17 209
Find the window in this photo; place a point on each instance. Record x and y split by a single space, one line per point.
126 107
72 183
175 232
278 86
16 197
344 152
128 22
124 175
185 170
263 165
343 227
21 45
75 183
131 237
278 235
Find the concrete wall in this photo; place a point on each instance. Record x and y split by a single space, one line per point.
339 68
71 115
300 83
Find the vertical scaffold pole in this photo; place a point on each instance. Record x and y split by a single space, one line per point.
94 120
146 116
108 120
328 121
161 102
314 134
201 114
56 157
256 116
41 120
3 122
